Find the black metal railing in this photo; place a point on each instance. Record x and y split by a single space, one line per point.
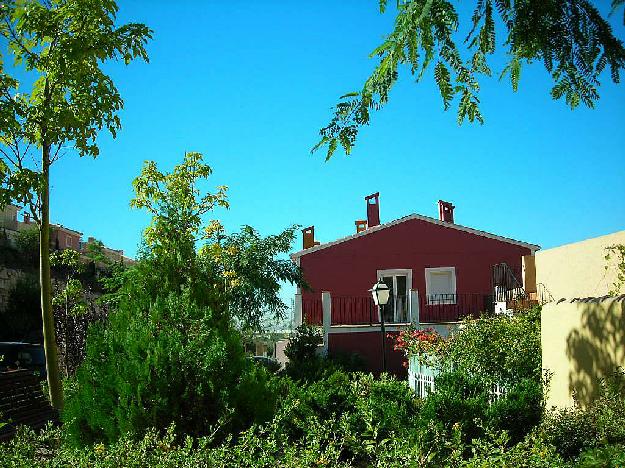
354 310
312 310
434 308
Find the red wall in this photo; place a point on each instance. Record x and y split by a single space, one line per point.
368 345
349 268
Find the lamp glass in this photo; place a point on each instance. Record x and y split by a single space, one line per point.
380 293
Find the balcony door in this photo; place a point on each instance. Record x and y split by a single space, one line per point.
399 282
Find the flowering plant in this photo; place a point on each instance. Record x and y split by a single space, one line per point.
427 344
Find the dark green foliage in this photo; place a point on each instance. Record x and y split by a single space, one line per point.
518 411
21 319
162 363
304 343
601 423
458 399
610 456
571 431
570 37
466 400
27 244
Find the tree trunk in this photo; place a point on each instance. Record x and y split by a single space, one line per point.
49 340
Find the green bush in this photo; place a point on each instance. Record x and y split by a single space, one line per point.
495 451
163 363
609 456
518 411
500 349
459 399
602 423
571 431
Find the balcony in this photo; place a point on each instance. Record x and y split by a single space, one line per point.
413 307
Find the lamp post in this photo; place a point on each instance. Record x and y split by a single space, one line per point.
381 294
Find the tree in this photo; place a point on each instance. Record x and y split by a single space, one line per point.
570 37
237 275
170 351
61 45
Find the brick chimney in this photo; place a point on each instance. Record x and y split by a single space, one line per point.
373 209
361 225
445 211
309 237
26 218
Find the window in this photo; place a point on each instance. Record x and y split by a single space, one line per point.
440 285
68 241
399 282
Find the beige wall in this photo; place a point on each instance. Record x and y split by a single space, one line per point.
578 270
582 342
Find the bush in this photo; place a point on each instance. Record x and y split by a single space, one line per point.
501 349
571 431
459 399
495 451
602 423
163 363
465 400
518 411
610 456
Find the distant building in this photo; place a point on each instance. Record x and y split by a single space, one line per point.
61 237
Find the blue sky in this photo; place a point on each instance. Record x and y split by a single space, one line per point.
249 84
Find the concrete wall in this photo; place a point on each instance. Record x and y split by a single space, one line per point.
582 342
578 269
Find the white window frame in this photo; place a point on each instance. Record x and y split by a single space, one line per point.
394 273
428 286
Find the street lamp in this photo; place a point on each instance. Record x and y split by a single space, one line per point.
381 294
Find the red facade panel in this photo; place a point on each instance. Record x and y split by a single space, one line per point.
349 268
368 345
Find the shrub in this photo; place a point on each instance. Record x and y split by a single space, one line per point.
303 344
610 456
495 451
518 411
163 363
574 430
460 399
501 349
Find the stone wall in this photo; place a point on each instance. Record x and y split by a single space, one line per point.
8 279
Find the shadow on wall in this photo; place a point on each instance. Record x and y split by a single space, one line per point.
596 347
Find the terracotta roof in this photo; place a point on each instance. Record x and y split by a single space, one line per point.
532 247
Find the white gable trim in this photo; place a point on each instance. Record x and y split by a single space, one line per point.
532 247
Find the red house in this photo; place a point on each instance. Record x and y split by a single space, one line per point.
437 271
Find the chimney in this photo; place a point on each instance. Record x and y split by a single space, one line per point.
373 209
309 237
445 211
361 225
26 218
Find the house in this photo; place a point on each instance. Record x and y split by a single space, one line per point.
438 272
